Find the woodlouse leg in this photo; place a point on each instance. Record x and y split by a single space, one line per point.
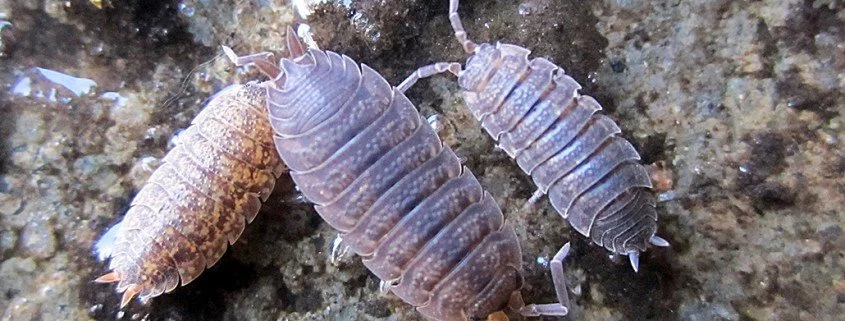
553 309
428 71
667 196
435 121
262 60
105 245
296 198
529 205
385 285
460 33
633 258
339 251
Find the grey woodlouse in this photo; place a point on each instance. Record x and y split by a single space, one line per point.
199 200
534 111
358 149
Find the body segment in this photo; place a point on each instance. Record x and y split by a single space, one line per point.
377 173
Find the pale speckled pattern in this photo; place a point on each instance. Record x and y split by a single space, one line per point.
741 100
359 150
573 154
200 199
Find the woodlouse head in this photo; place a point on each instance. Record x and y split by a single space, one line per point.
294 69
479 67
300 66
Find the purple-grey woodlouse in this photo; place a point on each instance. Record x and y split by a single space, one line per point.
534 111
358 149
199 200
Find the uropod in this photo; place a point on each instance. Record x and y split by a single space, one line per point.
575 155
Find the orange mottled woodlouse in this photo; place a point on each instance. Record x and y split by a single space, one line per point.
534 111
199 200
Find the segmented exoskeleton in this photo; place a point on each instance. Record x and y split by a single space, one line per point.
198 201
358 149
534 111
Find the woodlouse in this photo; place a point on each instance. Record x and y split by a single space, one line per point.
358 149
199 200
534 111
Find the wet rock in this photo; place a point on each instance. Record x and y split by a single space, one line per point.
16 275
709 311
767 157
840 291
771 195
740 100
247 26
8 240
9 204
22 308
38 240
51 300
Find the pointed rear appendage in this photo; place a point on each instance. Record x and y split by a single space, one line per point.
295 46
460 33
634 256
658 241
635 260
110 277
130 293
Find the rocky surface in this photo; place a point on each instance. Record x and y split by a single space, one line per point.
742 102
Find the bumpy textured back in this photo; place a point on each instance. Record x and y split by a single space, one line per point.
358 149
573 154
199 200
